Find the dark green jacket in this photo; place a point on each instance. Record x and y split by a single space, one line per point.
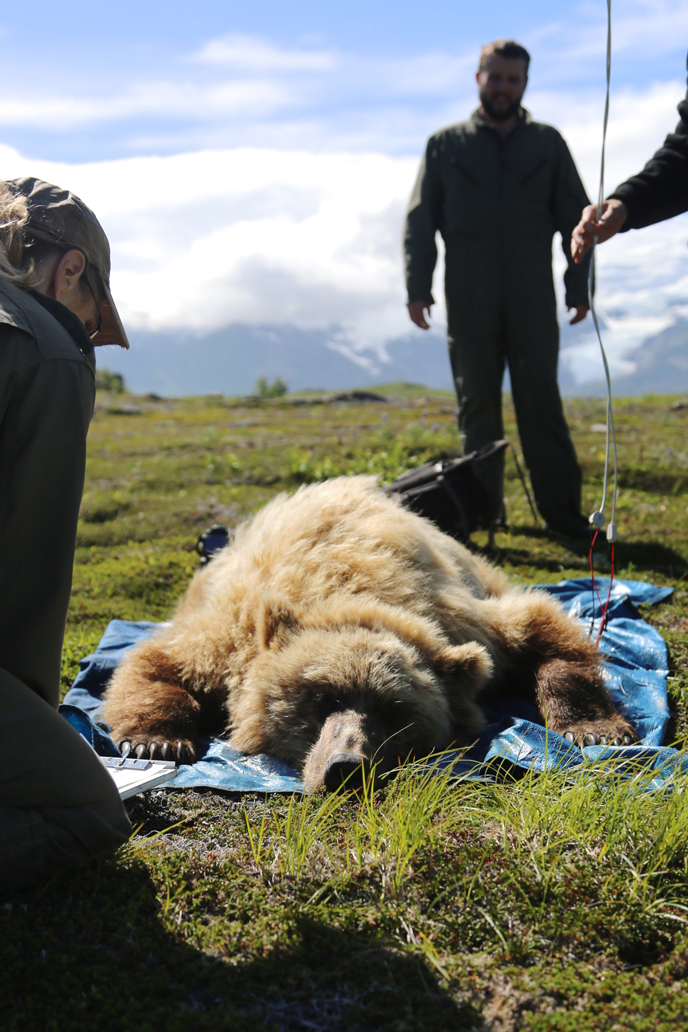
497 203
47 391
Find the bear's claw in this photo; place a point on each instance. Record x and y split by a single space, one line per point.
180 752
598 739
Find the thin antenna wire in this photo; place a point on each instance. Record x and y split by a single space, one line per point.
611 532
525 487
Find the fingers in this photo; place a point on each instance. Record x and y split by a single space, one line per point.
582 239
416 310
614 214
581 312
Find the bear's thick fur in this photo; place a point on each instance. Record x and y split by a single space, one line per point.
338 626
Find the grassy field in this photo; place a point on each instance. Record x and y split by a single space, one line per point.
550 903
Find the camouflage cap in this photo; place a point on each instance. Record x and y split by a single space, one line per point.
59 217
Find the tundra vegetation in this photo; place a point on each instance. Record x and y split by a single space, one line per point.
544 903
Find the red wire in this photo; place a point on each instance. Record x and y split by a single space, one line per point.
592 571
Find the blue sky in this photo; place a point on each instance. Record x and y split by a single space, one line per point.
94 80
251 161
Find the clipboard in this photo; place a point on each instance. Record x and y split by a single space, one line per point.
134 776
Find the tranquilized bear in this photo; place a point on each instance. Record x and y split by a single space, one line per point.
338 627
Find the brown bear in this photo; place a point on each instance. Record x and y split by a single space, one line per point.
338 628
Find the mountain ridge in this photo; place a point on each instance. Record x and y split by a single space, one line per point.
232 359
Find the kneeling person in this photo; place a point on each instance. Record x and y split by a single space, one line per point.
58 805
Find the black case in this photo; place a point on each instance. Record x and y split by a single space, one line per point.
448 492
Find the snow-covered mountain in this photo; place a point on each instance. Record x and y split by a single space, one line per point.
231 360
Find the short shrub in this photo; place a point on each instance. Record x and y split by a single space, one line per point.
277 389
106 380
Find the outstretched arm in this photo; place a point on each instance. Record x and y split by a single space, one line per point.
612 219
657 193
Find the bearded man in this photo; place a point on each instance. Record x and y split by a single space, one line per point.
498 187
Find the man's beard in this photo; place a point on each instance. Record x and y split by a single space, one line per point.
500 114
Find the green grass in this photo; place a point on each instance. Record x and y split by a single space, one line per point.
550 903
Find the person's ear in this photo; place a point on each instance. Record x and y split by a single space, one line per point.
69 271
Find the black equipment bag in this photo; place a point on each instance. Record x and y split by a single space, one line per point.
448 492
211 542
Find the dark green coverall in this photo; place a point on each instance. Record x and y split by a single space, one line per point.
497 203
58 804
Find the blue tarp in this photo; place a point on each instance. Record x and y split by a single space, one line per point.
635 668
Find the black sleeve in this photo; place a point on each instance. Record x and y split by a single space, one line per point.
660 191
569 199
420 228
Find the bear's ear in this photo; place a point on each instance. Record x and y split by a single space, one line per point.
471 661
275 616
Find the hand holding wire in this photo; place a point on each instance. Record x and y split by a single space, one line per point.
593 226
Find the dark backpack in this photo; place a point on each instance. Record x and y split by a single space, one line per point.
448 492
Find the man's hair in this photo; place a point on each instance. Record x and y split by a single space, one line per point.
503 48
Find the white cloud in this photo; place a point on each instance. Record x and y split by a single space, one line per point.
206 239
199 102
639 121
650 27
261 236
642 287
257 55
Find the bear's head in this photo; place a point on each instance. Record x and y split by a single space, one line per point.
351 684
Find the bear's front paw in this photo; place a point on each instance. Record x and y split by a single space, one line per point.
614 731
154 747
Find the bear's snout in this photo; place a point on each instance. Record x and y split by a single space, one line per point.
343 746
344 769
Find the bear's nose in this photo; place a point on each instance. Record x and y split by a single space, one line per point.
344 767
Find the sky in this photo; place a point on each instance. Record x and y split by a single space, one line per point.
251 162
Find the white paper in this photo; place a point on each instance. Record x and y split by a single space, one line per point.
133 776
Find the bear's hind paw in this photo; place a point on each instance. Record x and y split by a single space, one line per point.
602 732
145 747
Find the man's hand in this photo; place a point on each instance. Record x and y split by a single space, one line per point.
581 312
614 214
416 311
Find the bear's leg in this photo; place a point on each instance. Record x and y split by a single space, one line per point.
151 714
574 702
545 657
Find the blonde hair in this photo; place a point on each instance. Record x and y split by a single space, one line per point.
21 255
14 215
